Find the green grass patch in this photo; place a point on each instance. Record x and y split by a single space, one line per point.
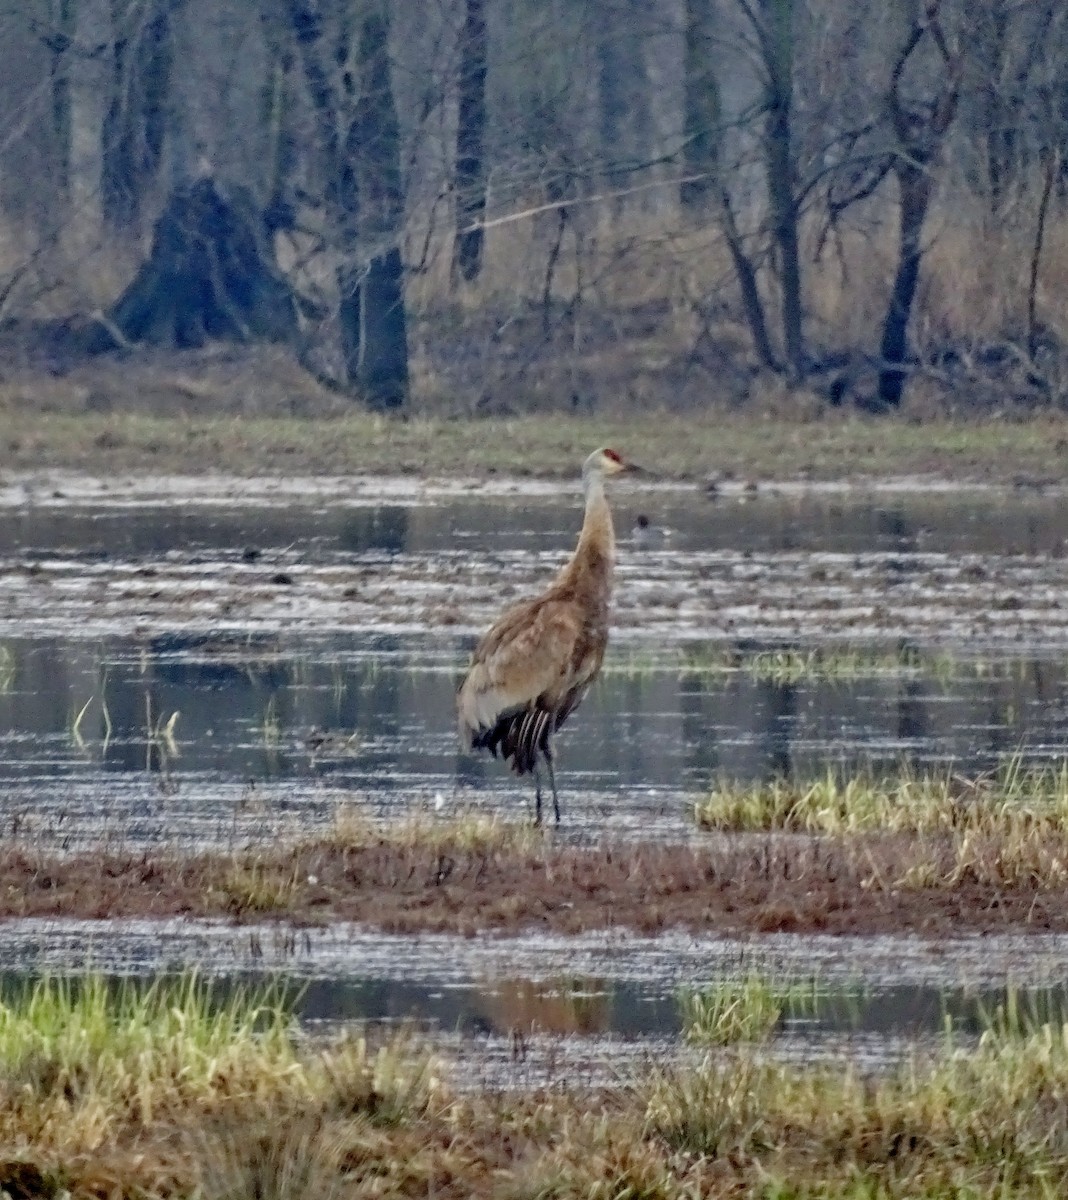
967 1121
135 1090
747 1009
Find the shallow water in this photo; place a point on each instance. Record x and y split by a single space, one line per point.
534 1010
983 570
198 742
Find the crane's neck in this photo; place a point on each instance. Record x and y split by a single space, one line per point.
595 555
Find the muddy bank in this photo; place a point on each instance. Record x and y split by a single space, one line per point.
860 885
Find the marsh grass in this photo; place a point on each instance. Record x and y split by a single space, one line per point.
8 669
175 1090
1011 802
835 664
258 887
746 1009
269 879
787 665
456 830
1005 830
169 1089
963 1121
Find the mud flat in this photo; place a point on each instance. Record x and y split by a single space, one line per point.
864 885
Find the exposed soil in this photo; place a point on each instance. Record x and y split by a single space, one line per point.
739 885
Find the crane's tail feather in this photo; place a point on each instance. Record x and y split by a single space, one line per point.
518 738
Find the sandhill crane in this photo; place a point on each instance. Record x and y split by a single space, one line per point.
531 670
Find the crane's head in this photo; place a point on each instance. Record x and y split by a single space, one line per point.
606 463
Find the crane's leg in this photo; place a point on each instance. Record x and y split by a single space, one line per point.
537 793
552 781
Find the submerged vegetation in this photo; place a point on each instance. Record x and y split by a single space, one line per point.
836 663
176 1091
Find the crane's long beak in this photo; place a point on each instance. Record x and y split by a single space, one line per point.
633 468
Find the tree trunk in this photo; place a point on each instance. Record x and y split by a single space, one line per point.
747 282
383 363
282 156
470 148
210 277
307 24
374 146
1049 174
703 112
135 121
61 46
914 186
780 174
623 88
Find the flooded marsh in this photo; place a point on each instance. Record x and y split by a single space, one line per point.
200 688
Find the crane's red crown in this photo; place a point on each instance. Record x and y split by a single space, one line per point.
613 455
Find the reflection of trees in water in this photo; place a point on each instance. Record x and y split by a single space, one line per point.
380 528
251 716
779 702
895 524
913 705
582 1007
698 727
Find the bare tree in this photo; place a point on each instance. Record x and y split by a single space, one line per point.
702 115
135 121
920 129
357 134
60 41
774 27
373 146
470 144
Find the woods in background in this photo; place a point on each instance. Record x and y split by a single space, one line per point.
498 205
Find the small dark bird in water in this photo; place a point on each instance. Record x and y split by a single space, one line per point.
532 669
647 536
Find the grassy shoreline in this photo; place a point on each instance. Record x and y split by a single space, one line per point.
164 1092
550 446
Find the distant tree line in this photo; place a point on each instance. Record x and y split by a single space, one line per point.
464 195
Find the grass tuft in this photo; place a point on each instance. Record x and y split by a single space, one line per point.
1011 802
747 1009
461 831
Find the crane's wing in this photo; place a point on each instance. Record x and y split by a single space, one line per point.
533 661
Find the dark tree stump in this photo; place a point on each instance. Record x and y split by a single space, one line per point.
210 277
